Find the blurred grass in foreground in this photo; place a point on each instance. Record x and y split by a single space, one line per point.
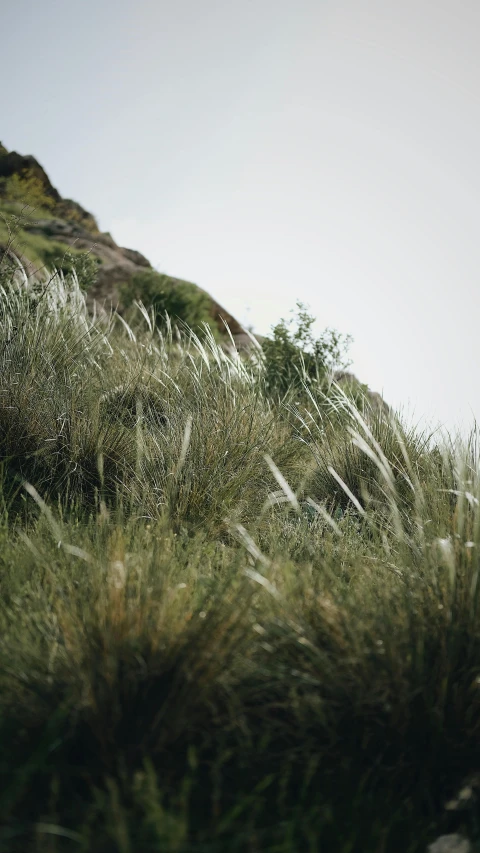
228 622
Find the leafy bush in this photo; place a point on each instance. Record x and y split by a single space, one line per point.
181 300
83 264
294 357
26 188
56 255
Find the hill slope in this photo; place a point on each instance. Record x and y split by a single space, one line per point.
52 222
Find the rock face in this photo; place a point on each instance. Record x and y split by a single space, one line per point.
12 163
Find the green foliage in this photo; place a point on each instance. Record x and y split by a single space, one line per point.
52 254
84 264
45 253
181 300
223 625
97 404
26 188
294 357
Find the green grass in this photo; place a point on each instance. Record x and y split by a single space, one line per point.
181 300
25 210
227 622
42 251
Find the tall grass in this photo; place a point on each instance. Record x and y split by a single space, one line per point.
227 623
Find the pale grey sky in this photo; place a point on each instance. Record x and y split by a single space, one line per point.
275 150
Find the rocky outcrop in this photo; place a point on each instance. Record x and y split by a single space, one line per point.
77 228
12 163
102 244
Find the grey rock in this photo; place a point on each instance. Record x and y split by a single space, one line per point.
136 257
347 380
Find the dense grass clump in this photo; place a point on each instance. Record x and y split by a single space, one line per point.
180 299
231 617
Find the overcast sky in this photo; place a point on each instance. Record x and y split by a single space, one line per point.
275 150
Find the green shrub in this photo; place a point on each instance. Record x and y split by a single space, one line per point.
84 264
294 357
26 188
181 300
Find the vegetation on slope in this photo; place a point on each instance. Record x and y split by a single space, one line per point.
181 300
23 202
40 227
232 618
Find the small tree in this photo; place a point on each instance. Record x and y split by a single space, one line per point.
294 355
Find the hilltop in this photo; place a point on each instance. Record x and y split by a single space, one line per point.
51 223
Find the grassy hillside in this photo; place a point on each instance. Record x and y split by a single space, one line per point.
233 617
42 251
46 230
